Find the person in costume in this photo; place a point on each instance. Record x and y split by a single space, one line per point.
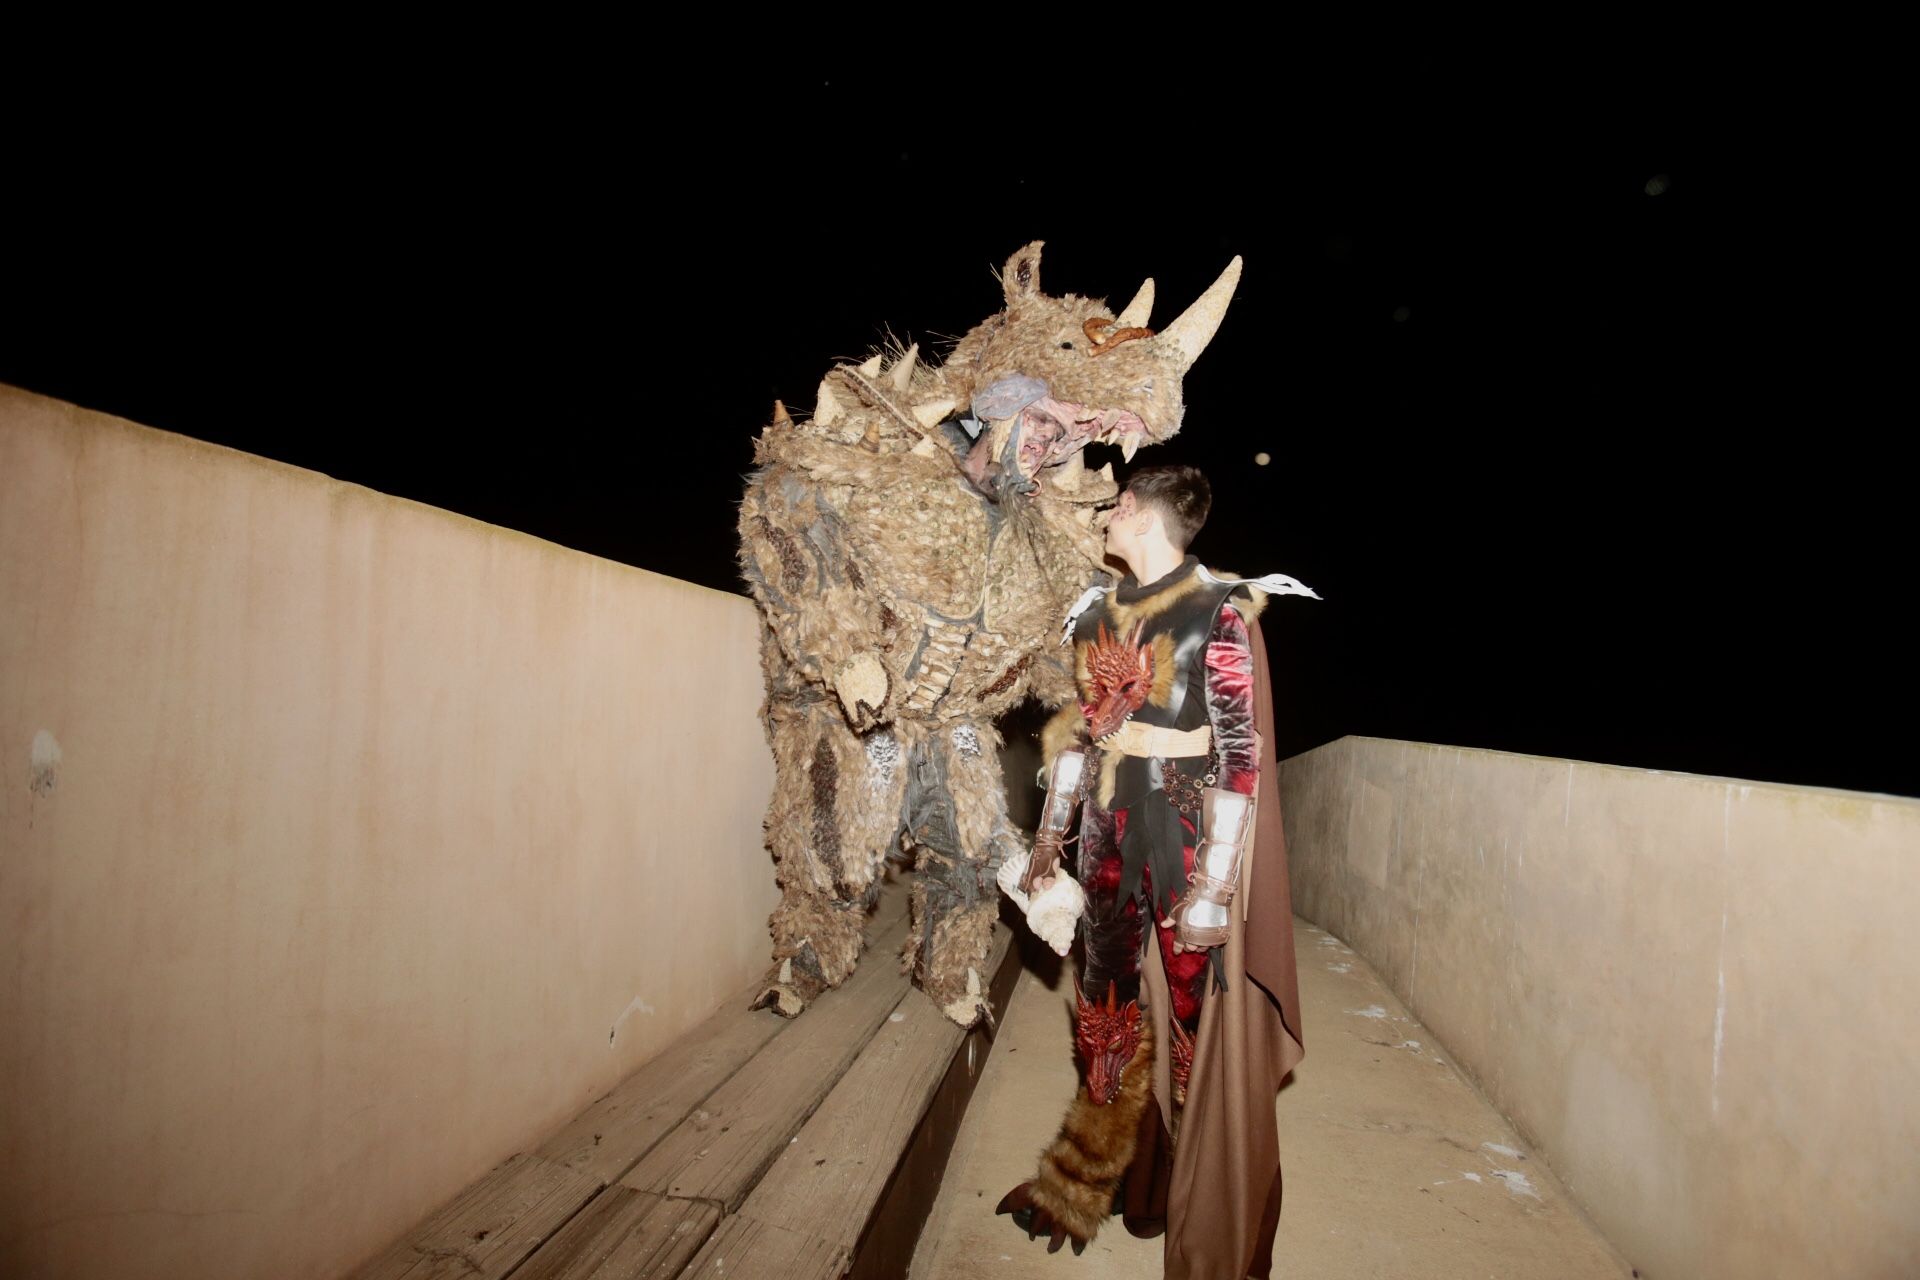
911 545
1188 1004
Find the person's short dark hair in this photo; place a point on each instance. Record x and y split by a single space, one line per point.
1180 494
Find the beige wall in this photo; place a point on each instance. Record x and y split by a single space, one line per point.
1700 998
370 825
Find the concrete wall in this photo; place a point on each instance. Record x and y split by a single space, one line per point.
346 847
1700 998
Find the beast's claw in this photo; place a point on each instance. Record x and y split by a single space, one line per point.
780 998
1036 1221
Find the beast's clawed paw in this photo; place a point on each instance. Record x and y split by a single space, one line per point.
780 998
1037 1221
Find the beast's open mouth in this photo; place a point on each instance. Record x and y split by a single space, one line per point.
1121 427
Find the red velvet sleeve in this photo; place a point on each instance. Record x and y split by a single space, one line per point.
1230 702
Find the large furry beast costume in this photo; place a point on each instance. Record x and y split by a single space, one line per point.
908 604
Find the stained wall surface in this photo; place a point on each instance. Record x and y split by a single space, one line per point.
346 847
1698 998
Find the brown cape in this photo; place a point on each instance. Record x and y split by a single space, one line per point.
1223 1203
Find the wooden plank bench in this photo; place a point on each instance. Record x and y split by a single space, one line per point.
810 1147
820 1212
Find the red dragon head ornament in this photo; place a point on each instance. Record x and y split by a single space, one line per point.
1120 673
1107 1037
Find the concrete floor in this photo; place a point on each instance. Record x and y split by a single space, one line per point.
1395 1165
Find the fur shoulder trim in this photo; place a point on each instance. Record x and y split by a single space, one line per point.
1061 733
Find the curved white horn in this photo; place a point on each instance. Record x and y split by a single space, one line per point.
1196 326
825 408
931 413
902 372
1135 316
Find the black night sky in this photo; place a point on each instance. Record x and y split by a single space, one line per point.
1552 423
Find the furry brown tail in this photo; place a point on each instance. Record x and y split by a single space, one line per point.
1073 1192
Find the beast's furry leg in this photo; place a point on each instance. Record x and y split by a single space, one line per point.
959 812
836 802
947 944
816 942
1073 1191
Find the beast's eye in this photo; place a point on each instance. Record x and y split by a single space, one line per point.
1066 346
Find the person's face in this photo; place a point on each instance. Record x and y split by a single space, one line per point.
1125 526
1043 428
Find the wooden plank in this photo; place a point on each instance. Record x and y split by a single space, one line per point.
501 1220
625 1235
746 1249
491 1227
611 1136
623 1125
886 1251
830 1181
722 1149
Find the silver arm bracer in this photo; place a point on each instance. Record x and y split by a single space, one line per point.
1064 784
1226 824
